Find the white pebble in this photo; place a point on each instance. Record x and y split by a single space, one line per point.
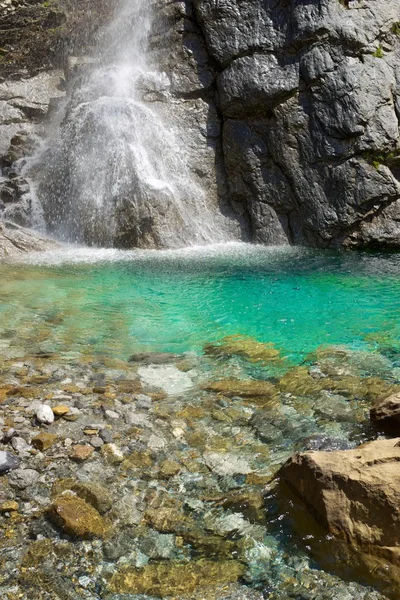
44 414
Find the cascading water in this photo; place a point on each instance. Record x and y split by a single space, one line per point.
114 173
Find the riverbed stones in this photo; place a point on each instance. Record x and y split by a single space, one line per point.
76 517
8 462
163 579
354 494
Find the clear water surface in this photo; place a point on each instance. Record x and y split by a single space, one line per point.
112 302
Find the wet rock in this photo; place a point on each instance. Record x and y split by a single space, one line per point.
112 454
171 579
154 358
20 445
60 410
23 478
9 506
386 414
93 493
80 453
44 441
169 378
96 441
250 388
76 517
249 503
354 494
111 414
298 381
44 414
245 347
169 468
106 435
16 241
143 402
226 464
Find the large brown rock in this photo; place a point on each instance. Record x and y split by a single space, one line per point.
354 494
386 414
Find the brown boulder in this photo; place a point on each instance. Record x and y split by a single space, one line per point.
386 414
354 494
76 517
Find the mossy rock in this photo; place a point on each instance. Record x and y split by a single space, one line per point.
247 388
299 382
93 493
174 579
167 519
246 347
369 389
208 545
77 518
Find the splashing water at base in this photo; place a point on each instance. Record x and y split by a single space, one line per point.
115 173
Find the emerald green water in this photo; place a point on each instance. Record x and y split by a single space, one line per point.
109 302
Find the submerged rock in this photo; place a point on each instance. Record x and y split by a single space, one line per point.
76 517
249 388
354 494
245 347
169 378
172 579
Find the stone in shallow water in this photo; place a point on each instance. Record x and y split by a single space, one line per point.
76 517
44 441
23 478
226 464
249 388
173 579
244 346
168 378
93 493
79 453
154 358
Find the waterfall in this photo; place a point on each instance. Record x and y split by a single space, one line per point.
114 172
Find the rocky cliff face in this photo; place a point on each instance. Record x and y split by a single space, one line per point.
308 93
294 111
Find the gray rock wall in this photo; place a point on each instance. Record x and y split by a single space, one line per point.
292 110
308 93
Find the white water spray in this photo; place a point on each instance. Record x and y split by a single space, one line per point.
115 173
